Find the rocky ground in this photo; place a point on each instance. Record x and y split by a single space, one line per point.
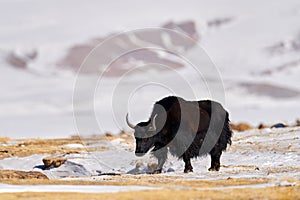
261 164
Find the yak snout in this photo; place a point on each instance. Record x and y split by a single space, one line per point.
143 145
139 154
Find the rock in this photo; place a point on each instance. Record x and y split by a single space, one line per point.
241 127
152 166
138 165
170 170
261 126
16 61
297 122
21 60
54 161
108 134
279 125
77 53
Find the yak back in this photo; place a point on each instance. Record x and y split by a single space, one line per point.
176 108
173 111
168 102
207 105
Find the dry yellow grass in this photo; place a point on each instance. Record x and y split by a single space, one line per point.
16 175
263 193
4 139
170 187
22 148
139 180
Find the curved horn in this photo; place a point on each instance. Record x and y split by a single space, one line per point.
153 127
128 123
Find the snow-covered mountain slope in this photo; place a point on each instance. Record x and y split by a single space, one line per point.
254 44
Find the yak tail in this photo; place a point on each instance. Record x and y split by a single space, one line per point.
227 130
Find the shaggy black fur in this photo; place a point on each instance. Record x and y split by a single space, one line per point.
187 129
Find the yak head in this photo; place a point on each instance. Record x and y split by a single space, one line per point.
145 135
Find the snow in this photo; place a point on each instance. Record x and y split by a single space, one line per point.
74 146
255 44
267 153
39 100
4 188
23 163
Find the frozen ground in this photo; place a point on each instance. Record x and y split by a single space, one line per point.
266 154
254 44
114 189
70 188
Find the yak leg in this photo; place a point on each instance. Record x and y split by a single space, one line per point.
215 160
161 155
188 166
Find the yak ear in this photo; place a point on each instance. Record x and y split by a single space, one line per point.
153 124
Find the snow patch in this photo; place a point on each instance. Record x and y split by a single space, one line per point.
4 188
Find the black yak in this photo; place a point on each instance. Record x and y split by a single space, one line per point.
187 129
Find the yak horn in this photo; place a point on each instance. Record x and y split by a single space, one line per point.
128 123
153 127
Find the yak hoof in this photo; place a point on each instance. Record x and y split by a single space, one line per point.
157 171
215 169
188 169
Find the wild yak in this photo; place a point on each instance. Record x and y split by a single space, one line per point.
187 129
